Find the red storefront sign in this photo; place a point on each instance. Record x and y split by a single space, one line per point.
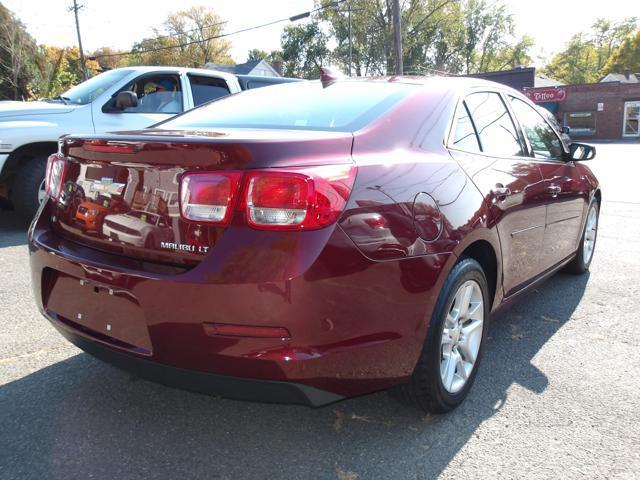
543 95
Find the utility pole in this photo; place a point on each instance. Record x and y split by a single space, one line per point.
350 42
75 9
397 37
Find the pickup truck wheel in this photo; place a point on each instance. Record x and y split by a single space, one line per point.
28 188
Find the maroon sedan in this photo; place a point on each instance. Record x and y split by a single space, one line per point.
320 241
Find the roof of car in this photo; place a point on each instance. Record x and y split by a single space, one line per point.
202 71
452 81
449 83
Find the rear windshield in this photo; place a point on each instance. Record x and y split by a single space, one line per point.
342 107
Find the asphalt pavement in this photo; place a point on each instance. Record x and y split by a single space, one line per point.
557 395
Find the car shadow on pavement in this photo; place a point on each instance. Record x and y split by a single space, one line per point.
13 229
80 418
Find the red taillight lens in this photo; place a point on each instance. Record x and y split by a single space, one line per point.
209 197
275 199
297 198
56 168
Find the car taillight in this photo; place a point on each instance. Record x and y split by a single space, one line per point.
273 199
56 168
297 198
208 197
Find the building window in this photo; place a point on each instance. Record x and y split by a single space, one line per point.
631 119
581 123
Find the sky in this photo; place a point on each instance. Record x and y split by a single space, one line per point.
120 23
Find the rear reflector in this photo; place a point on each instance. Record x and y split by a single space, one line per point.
297 198
245 330
54 176
209 197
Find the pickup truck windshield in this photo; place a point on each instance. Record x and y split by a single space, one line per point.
344 107
87 91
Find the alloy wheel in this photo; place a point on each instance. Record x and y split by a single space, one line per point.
461 336
590 232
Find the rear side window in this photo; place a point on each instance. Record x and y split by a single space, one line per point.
205 89
544 141
498 135
344 106
465 137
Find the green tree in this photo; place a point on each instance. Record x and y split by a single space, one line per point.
160 50
371 35
58 69
586 54
436 39
456 36
257 54
189 38
18 53
198 27
304 50
489 40
577 63
626 56
608 35
109 58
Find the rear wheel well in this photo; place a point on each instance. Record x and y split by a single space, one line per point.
598 196
483 253
17 159
26 152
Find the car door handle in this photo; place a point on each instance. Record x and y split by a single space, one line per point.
500 192
554 190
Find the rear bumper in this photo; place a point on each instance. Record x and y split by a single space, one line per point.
202 382
356 325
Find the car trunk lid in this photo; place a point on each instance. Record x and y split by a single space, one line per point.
120 192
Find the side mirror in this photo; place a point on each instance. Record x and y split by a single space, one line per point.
566 130
581 151
126 99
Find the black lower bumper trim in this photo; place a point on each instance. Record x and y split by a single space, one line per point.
239 388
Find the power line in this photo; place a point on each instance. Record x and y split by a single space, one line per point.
242 30
194 29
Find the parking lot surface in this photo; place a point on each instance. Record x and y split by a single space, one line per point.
557 395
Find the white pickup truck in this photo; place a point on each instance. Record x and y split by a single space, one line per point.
121 99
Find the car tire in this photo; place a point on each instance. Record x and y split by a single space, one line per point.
426 388
26 187
582 261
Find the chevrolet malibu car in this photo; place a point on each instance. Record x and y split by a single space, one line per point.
330 239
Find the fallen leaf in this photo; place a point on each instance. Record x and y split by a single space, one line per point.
345 474
339 421
361 418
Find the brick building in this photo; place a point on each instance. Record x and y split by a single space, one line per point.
602 111
609 110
